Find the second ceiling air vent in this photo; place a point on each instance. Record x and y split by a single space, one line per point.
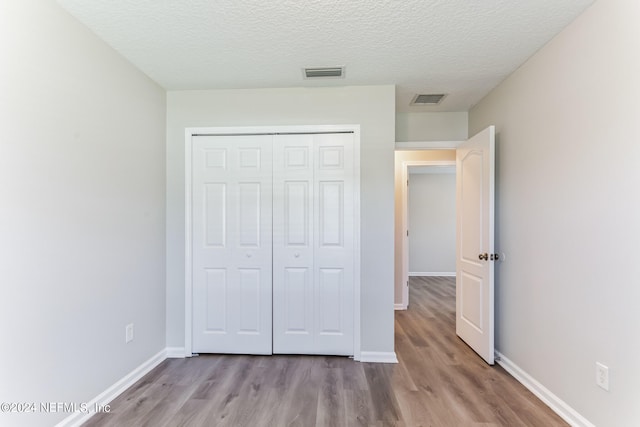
428 99
323 72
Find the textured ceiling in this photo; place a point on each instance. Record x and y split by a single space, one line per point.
460 47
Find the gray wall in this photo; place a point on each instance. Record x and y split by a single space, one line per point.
431 126
432 221
82 226
568 210
372 107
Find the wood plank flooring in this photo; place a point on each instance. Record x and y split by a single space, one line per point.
438 382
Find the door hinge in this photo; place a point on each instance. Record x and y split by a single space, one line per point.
407 233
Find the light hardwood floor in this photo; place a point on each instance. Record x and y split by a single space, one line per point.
438 382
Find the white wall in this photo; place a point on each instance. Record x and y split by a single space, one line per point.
426 126
372 107
431 213
568 210
81 211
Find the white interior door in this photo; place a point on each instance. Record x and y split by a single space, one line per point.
313 244
232 244
475 243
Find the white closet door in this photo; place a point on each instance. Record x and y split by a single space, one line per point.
232 252
313 243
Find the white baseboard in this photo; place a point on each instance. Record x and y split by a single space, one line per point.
432 274
175 353
115 390
378 357
558 406
400 306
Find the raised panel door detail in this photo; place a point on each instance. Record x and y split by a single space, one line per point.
331 213
330 283
215 214
470 300
249 196
331 157
250 300
216 307
296 158
296 224
296 288
215 159
471 223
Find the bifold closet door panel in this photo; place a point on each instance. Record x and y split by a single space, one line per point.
334 243
313 244
293 243
232 244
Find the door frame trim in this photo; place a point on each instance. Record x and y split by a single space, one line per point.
404 304
190 132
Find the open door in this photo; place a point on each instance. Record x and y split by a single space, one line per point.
474 249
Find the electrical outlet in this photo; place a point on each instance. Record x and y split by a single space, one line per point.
602 376
128 333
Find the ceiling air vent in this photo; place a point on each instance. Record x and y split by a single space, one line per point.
323 72
430 99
